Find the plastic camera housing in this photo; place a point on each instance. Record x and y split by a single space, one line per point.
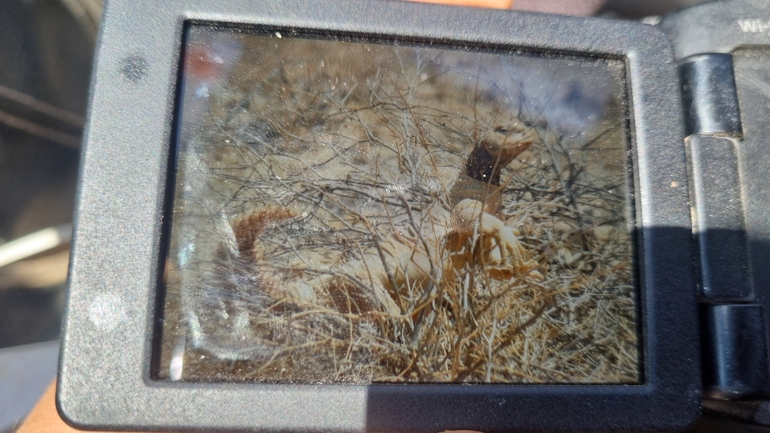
115 306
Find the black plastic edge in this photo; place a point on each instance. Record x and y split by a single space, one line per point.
735 352
709 96
720 228
718 27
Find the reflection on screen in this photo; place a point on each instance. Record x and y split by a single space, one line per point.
372 211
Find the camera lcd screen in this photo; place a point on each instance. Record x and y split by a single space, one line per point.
359 210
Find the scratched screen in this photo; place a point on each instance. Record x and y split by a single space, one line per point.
365 211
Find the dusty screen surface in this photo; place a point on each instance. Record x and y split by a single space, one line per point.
362 211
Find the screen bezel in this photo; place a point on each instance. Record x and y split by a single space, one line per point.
105 375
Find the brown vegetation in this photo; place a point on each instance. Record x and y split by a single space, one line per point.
360 216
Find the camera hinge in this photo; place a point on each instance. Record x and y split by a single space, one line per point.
734 341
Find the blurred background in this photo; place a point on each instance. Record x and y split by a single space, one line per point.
46 52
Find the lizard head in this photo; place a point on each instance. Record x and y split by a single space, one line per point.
508 142
497 149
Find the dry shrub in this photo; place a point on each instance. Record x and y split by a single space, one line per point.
305 173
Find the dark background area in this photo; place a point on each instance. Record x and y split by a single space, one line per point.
46 54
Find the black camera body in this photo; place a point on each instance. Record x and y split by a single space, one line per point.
390 216
720 48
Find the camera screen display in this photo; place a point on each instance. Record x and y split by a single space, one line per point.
357 210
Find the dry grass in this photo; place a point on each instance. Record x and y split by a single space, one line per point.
304 176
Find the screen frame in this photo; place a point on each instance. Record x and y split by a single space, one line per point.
112 317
